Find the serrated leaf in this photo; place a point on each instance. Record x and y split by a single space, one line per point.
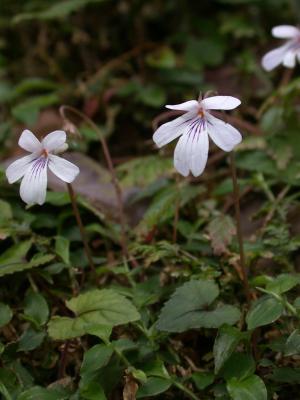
36 261
185 311
96 307
221 230
263 312
15 253
252 388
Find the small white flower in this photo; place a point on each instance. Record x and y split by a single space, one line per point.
286 54
33 167
194 127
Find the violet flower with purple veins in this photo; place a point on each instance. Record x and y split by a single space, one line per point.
286 54
33 167
194 127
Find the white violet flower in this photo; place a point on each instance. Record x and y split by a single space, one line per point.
33 168
194 127
287 53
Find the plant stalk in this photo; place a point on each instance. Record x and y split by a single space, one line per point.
111 168
81 228
236 194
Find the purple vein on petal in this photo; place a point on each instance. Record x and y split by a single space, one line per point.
39 164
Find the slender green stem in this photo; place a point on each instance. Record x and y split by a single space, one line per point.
186 390
236 193
81 228
111 168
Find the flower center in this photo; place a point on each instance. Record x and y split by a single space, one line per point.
201 113
44 153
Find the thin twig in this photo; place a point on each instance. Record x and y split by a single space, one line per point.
63 360
111 168
176 213
236 194
81 228
116 62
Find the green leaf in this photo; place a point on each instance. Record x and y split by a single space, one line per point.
30 340
226 341
62 249
5 392
36 308
292 345
15 253
153 387
36 261
39 393
92 391
183 310
5 314
164 57
95 358
221 230
156 368
203 379
143 171
239 366
283 283
152 95
27 111
252 388
96 307
263 312
286 375
6 212
59 9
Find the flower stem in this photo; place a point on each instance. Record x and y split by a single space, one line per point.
236 194
176 213
111 168
81 228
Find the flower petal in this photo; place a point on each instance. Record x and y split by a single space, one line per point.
181 156
224 135
54 140
34 184
289 59
171 130
191 105
275 57
198 153
29 142
63 169
285 31
18 168
220 103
